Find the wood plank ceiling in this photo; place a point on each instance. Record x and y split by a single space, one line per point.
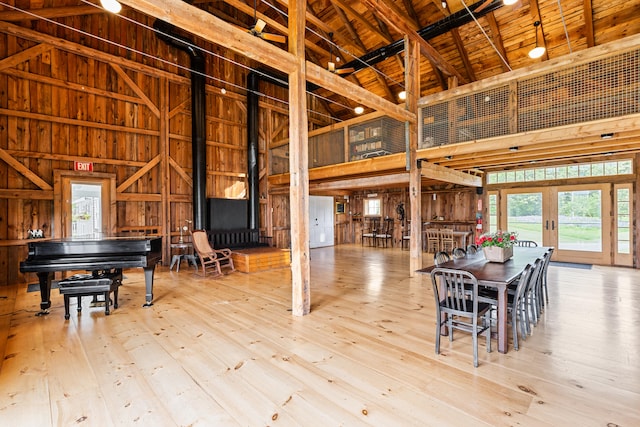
457 49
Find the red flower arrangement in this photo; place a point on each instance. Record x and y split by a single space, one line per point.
501 239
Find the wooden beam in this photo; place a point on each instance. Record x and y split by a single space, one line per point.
180 171
412 85
76 122
497 41
22 169
361 19
395 179
26 194
587 11
88 52
299 165
441 173
337 84
400 24
273 24
205 25
137 89
49 13
136 176
24 55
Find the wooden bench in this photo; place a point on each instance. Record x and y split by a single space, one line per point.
81 285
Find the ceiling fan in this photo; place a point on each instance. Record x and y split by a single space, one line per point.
331 65
257 29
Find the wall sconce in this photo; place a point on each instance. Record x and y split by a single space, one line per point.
537 51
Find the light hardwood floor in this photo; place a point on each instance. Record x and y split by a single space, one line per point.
228 352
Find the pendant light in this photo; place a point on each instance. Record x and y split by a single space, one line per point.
537 51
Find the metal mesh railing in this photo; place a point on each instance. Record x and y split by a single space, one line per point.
600 89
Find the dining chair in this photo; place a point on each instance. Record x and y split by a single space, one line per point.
406 235
458 253
532 313
211 259
459 308
472 249
545 267
515 303
370 231
526 243
433 240
386 234
447 242
441 257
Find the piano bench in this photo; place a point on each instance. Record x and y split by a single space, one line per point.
81 285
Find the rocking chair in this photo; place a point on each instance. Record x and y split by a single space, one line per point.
211 259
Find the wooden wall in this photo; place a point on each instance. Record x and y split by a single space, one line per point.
75 98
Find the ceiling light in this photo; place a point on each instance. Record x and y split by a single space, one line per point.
509 2
513 149
448 157
606 136
537 51
112 6
359 109
444 4
402 95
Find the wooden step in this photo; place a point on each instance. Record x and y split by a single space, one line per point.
251 260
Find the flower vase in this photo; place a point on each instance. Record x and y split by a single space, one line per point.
497 254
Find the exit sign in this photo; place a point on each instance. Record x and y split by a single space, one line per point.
83 166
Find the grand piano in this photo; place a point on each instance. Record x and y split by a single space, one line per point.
104 254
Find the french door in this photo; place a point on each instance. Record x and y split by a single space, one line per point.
585 223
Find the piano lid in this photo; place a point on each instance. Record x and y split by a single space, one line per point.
83 246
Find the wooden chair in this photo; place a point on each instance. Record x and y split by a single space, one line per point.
406 235
211 259
456 294
433 240
371 231
387 233
447 242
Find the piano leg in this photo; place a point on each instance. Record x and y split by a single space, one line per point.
148 281
45 292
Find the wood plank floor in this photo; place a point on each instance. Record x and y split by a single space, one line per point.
228 352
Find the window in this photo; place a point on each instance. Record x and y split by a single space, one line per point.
373 207
585 170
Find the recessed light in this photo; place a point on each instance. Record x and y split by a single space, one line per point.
606 135
514 148
359 109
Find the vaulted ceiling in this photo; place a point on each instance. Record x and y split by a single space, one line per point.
461 47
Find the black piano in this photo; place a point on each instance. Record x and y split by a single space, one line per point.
104 255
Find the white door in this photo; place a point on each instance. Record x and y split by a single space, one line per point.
321 220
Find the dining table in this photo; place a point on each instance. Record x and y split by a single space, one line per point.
495 275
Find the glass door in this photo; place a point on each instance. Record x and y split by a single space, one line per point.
583 221
576 220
